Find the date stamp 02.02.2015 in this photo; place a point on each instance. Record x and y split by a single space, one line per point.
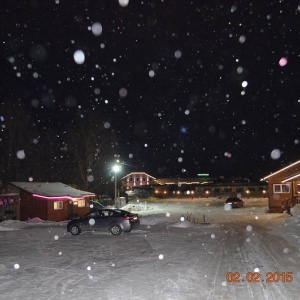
258 277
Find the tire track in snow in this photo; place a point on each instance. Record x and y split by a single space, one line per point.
259 252
273 259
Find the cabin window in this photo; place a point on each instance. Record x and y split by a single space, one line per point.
58 205
81 203
281 188
298 188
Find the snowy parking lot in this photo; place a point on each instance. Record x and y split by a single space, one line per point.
184 249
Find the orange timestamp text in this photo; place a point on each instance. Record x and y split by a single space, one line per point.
257 277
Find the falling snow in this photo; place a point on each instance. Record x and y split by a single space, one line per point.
142 70
171 88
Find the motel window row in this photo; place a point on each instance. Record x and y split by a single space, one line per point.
281 188
60 204
238 189
138 179
284 188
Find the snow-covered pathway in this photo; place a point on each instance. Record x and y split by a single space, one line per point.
165 259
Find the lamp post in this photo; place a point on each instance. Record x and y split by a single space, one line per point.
116 169
248 192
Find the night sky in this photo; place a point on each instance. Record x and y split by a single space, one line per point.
182 87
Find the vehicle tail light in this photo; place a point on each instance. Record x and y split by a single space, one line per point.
130 218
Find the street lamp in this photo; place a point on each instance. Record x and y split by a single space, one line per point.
116 169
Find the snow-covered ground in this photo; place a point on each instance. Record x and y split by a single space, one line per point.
184 249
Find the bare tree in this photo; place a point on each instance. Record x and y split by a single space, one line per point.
89 144
16 137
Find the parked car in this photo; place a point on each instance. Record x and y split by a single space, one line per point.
111 220
235 202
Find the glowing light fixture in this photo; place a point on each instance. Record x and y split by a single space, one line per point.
116 169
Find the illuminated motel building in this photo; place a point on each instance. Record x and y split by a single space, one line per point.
136 179
203 186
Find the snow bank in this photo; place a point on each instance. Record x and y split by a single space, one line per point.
35 220
295 211
182 224
151 220
9 225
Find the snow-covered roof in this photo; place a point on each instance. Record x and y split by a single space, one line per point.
51 189
137 173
